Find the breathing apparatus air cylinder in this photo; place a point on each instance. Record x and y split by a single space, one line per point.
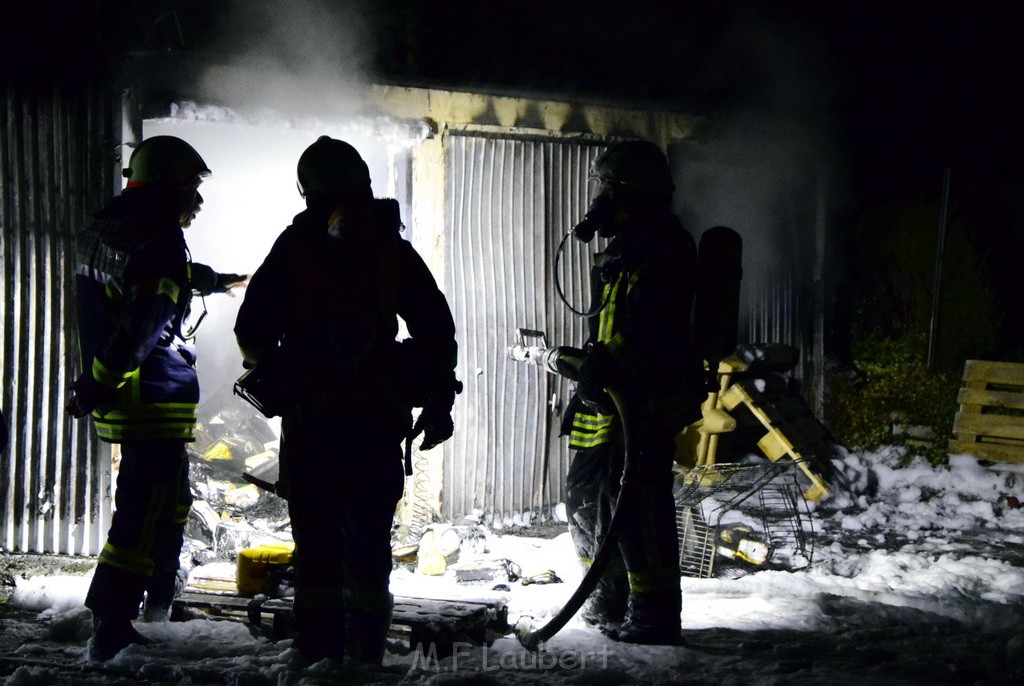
716 307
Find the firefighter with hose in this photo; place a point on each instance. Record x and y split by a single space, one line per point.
639 357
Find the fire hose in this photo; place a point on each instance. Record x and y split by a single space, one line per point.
531 639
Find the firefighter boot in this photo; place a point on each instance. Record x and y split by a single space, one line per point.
606 607
114 597
652 618
367 627
111 635
320 633
161 590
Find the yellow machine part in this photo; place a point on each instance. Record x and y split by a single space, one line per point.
255 564
697 444
774 444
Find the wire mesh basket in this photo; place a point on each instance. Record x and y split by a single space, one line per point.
734 519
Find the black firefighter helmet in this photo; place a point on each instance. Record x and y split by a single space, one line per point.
638 164
330 168
165 160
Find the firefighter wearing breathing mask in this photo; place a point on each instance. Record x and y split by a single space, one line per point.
135 281
639 344
323 309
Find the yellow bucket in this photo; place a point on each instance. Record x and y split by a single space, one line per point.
255 564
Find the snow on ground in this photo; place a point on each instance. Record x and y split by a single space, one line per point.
917 578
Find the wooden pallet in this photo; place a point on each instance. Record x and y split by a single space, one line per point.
990 423
419 621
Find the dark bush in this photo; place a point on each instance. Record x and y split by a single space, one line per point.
896 397
895 400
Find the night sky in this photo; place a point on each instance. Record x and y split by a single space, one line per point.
912 85
902 88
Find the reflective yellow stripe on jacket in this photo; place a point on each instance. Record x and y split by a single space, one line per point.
109 377
590 430
147 421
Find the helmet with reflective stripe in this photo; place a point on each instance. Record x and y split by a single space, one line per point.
331 167
640 165
165 160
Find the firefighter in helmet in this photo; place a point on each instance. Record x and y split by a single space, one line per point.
322 312
639 344
134 281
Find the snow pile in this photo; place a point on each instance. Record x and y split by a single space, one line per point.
918 576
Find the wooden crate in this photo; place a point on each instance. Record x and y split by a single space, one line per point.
990 423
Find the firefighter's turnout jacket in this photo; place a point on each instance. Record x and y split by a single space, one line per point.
323 311
645 281
323 305
134 286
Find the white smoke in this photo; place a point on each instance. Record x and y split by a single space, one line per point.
281 75
295 56
767 163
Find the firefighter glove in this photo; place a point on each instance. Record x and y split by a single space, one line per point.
597 372
227 282
88 395
205 280
437 426
436 418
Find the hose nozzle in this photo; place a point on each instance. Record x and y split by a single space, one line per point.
536 355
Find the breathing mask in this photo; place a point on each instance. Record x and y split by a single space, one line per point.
598 219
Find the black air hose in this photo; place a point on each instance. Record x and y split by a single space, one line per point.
531 640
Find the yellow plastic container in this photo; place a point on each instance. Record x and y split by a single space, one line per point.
255 564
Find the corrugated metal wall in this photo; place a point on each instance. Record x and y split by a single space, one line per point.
773 313
780 208
782 290
509 201
56 166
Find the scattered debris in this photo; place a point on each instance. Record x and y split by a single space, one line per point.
476 571
545 577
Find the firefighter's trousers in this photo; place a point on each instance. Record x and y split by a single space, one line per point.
646 562
144 542
343 479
